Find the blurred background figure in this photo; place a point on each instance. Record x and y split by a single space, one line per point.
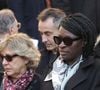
9 24
90 8
19 58
26 12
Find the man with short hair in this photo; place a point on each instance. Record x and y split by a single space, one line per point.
76 40
8 23
48 23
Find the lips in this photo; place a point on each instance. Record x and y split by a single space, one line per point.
7 69
62 52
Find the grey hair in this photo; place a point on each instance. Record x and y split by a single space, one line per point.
7 18
54 13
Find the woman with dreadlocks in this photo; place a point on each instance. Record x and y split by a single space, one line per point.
76 43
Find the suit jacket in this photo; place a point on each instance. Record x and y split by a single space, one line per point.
86 78
46 63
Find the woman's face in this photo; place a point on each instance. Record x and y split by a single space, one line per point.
15 66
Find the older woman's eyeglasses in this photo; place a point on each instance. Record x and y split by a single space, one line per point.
7 57
67 40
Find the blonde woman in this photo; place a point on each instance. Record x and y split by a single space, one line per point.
19 58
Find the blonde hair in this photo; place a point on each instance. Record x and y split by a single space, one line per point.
22 45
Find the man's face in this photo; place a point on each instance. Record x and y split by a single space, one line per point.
15 27
72 48
47 30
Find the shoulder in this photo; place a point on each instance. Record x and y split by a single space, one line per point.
91 63
96 64
1 77
35 83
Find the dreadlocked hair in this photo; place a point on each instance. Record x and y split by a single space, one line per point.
81 26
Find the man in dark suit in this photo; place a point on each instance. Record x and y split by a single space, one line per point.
76 43
49 20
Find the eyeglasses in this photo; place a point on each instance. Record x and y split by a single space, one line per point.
8 58
67 40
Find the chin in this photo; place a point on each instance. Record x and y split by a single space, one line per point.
50 48
65 59
9 73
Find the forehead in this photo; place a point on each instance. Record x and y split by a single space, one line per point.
7 51
47 25
63 32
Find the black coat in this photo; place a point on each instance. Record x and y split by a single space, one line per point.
45 66
86 78
35 84
3 4
46 62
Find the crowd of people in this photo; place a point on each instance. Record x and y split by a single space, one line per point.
49 45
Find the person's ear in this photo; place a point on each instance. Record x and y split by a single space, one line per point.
12 31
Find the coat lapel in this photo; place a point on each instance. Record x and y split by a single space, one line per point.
76 79
80 75
49 66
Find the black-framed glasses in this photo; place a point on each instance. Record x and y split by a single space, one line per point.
8 58
67 40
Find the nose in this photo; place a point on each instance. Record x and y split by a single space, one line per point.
61 45
44 38
4 62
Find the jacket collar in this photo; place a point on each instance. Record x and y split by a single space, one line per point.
80 76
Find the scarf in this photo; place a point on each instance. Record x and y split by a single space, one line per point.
59 68
20 84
